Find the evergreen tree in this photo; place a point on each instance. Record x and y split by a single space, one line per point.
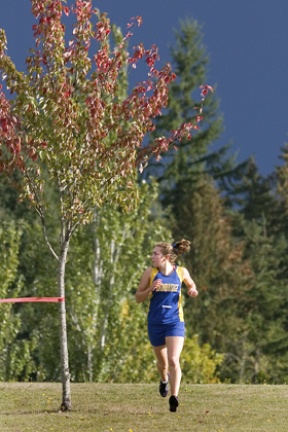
254 196
282 176
282 190
258 220
217 264
190 61
192 156
265 306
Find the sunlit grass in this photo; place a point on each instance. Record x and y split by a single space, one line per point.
139 408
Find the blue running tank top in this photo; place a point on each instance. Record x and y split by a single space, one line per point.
165 305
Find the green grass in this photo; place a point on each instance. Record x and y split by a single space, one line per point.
138 408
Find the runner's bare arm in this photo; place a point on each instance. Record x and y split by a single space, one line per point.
190 284
144 289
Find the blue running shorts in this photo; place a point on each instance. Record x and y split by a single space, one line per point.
158 332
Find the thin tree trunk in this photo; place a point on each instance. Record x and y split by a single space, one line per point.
65 374
90 362
242 366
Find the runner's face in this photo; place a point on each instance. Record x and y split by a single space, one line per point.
157 257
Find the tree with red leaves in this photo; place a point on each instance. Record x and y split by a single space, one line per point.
70 123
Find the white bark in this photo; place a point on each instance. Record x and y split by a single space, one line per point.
65 374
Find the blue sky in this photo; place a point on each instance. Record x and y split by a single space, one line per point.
247 42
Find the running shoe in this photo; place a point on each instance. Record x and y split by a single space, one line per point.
173 403
163 388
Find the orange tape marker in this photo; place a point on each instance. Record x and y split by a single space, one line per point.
33 300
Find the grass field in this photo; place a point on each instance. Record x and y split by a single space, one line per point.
139 408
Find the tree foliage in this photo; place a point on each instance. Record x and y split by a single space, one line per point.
71 141
11 349
71 124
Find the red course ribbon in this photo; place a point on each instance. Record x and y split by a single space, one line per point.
33 300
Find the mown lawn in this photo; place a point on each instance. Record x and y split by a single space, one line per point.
27 407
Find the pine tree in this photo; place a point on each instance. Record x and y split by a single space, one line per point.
192 156
265 305
254 196
217 264
282 190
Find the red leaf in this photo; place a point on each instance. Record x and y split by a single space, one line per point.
66 10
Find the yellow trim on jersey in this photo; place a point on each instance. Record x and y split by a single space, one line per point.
153 273
180 272
155 270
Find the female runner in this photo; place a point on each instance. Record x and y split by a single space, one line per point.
166 328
